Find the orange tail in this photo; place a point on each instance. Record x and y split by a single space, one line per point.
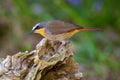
94 29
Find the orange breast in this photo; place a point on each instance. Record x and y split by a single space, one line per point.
42 32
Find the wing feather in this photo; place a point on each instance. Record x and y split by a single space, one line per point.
57 27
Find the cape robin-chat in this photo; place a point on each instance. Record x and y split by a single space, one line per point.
58 30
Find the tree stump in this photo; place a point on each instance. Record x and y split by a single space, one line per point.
49 61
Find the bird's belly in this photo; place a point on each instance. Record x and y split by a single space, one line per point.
62 36
59 37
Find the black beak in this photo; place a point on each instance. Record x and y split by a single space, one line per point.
31 32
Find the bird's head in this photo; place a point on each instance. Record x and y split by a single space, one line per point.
38 27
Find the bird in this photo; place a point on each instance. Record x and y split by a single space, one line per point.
58 30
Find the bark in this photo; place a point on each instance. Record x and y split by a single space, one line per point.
49 61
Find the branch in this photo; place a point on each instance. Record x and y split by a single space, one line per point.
49 61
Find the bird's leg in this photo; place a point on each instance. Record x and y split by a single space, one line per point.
65 42
59 43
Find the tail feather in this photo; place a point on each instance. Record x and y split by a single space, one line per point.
94 29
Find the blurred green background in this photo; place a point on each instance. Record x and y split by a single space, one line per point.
97 52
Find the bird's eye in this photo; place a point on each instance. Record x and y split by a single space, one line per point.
37 27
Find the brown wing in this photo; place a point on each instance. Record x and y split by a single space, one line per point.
57 27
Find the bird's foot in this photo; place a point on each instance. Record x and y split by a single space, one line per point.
65 42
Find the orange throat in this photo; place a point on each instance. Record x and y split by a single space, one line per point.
41 31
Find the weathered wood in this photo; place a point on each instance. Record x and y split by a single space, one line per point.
49 61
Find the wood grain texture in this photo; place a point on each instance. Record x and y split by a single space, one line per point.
49 61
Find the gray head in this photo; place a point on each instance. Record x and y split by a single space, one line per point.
38 26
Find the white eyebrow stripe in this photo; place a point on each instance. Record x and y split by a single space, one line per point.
35 26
